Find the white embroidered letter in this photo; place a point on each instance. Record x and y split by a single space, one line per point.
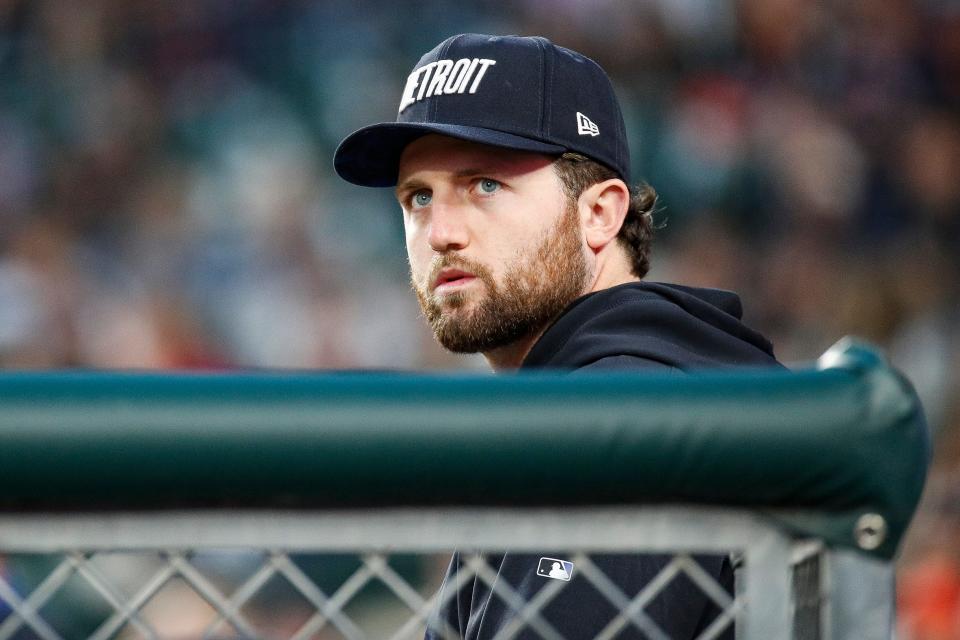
483 69
439 77
456 75
411 85
466 76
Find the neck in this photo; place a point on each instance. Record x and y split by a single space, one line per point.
510 357
611 273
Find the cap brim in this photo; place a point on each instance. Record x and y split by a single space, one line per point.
370 156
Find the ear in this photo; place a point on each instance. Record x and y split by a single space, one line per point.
602 209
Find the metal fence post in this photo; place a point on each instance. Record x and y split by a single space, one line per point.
768 613
860 596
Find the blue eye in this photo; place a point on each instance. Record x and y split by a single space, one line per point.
421 198
489 186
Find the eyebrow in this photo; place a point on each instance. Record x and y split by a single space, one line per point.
413 184
408 185
465 173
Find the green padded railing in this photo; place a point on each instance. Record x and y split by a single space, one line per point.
839 452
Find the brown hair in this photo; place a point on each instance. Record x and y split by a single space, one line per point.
577 172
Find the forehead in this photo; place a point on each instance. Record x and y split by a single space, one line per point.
443 154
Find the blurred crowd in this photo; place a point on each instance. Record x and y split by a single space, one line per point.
167 198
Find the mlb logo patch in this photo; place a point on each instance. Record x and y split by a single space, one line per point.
556 569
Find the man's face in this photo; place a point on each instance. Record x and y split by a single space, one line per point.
495 250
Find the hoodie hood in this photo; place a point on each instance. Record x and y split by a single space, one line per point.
666 324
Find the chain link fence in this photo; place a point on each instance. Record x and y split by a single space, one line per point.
255 594
355 576
215 594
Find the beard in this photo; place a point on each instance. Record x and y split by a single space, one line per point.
536 288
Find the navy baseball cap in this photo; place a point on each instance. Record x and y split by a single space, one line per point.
522 93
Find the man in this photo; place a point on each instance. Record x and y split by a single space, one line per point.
510 162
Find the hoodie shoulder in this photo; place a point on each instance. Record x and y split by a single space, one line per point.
652 324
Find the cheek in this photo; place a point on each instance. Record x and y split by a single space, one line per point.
417 256
534 221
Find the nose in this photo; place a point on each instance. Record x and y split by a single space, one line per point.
448 228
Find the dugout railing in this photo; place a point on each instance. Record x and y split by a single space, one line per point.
227 497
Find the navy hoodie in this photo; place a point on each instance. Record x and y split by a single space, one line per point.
650 324
638 325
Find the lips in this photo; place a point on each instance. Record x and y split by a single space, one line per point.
450 278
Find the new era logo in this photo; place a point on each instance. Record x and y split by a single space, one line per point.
556 569
585 126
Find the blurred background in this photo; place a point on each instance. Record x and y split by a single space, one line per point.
167 198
